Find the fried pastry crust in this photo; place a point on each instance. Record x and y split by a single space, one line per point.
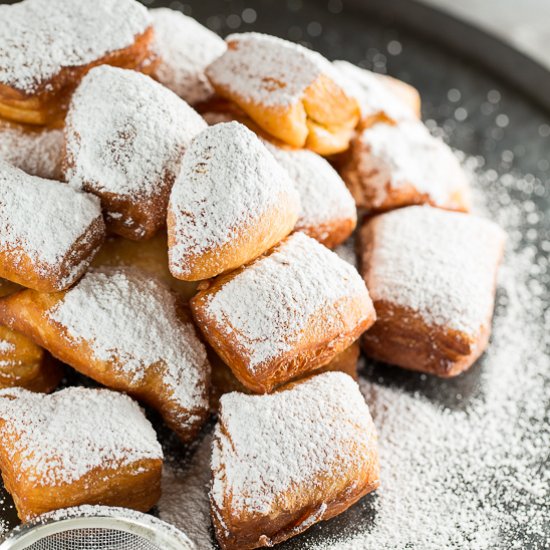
224 381
150 256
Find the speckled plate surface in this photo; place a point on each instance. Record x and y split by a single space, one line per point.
505 137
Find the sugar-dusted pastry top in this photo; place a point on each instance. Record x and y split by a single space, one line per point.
38 38
130 318
228 181
126 133
407 154
270 450
323 195
42 219
267 305
59 438
267 70
36 152
373 93
440 264
185 49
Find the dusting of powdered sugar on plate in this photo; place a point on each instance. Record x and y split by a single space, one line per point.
449 478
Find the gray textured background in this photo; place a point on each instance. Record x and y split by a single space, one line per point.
523 23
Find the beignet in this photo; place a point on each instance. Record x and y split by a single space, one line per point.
283 462
390 166
47 46
381 98
327 211
286 314
431 275
291 92
185 48
128 331
49 232
24 364
150 256
125 138
35 150
77 446
230 203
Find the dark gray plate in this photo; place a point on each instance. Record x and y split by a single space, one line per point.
502 114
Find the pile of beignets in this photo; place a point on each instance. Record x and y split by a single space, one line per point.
168 205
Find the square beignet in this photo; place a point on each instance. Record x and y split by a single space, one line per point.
185 48
328 212
288 313
35 150
291 92
46 47
224 381
390 166
77 446
432 276
128 331
381 98
49 232
230 203
125 137
283 462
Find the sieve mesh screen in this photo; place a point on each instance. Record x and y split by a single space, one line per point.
93 538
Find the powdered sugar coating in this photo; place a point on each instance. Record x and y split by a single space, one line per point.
185 49
409 154
42 220
323 195
228 181
130 318
38 38
126 134
57 439
268 304
373 94
267 70
439 264
36 152
268 445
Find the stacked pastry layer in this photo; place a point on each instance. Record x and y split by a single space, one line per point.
179 254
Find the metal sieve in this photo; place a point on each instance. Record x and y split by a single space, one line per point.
96 528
